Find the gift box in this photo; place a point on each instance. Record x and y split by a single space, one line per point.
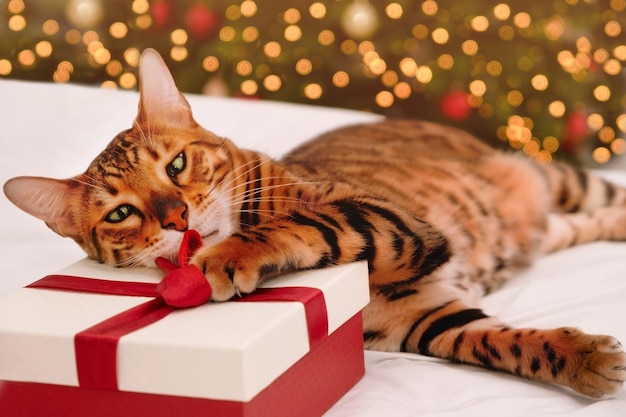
292 348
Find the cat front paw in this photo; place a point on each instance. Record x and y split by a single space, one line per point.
229 271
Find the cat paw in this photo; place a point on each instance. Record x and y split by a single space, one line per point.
229 272
601 370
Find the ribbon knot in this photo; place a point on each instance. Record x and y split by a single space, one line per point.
184 285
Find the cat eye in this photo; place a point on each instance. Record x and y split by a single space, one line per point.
120 213
177 165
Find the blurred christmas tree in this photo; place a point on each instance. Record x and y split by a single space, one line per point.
546 78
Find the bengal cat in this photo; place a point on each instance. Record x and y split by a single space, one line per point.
441 218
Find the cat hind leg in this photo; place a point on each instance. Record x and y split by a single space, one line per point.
568 229
592 365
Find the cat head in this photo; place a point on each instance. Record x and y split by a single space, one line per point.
152 182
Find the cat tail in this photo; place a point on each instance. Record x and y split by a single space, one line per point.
584 208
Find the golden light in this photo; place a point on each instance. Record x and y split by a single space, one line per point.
50 27
613 29
551 144
384 99
348 47
341 79
377 66
612 67
17 23
365 47
73 37
128 81
531 148
313 91
620 52
522 20
114 68
480 23
602 93
272 82
606 134
249 87
502 11
402 90
16 6
244 68
227 34
408 66
430 7
250 34
478 88
556 108
233 12
26 57
506 33
554 29
420 31
118 30
317 10
445 61
470 47
595 121
515 98
110 85
43 49
291 16
248 9
326 37
272 49
540 82
131 56
304 66
5 67
60 76
440 36
394 10
293 33
140 6
621 122
600 55
389 78
179 37
143 21
618 146
424 74
179 53
210 64
102 56
601 155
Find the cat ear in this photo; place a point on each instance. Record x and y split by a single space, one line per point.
44 198
160 101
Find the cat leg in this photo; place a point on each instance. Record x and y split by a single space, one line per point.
591 365
568 229
573 189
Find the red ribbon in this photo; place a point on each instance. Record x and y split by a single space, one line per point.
183 286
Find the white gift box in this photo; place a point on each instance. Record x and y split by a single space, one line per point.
229 354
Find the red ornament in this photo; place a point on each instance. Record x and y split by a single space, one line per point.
161 12
201 21
576 130
455 105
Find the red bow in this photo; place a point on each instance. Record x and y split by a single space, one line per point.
184 285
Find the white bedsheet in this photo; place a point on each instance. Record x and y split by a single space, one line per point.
55 130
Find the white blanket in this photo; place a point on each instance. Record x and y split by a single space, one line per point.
55 130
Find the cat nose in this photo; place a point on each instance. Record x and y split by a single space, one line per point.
173 215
